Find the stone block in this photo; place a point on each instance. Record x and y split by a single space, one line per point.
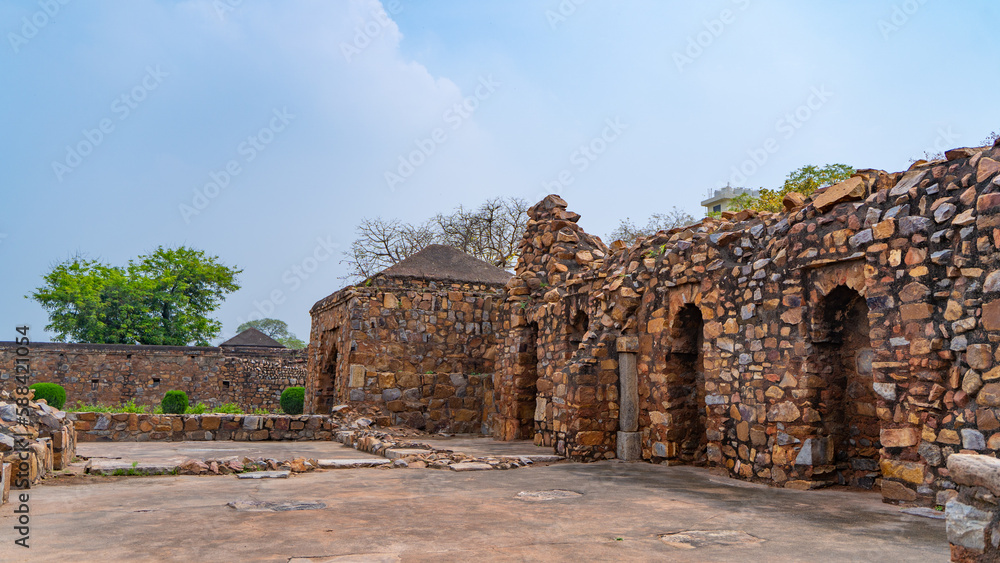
975 471
899 437
966 525
629 446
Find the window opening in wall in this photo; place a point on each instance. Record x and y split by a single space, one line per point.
577 329
94 383
156 381
225 384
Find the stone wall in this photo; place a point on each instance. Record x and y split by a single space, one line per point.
418 348
120 427
971 509
111 374
848 340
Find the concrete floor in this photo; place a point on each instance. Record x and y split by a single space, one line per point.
424 514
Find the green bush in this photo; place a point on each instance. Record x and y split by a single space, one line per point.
228 408
292 400
200 408
53 393
174 402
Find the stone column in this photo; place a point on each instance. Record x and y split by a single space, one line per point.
628 444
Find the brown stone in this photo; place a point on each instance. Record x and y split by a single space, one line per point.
897 491
989 395
991 315
979 356
851 189
905 470
899 437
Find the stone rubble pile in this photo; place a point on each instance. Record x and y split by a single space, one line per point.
419 455
32 446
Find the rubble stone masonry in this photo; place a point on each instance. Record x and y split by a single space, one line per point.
422 349
110 374
851 339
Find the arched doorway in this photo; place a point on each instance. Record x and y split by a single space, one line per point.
526 381
847 431
686 383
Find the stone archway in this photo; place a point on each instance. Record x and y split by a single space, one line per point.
841 409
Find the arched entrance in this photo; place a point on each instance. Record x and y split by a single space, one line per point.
846 447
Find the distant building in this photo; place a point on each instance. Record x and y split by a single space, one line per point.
721 199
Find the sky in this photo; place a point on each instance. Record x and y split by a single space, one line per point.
262 132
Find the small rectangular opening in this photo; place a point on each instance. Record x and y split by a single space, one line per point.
225 384
94 383
156 381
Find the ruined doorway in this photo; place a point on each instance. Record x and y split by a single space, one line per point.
326 385
526 381
847 446
686 382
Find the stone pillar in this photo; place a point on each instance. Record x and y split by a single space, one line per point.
628 444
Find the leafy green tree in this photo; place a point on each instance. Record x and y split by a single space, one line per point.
805 180
160 298
276 329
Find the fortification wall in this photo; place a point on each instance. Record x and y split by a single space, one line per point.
110 374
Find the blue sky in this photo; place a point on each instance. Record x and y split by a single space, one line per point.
121 118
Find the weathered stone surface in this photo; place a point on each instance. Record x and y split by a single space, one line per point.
851 189
470 466
975 471
265 475
966 525
899 437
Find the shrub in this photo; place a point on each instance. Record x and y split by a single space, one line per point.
292 400
53 393
228 408
200 408
174 402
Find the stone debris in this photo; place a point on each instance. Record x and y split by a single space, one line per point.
418 455
265 475
470 466
351 463
45 434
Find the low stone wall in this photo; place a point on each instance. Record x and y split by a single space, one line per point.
111 427
972 511
435 402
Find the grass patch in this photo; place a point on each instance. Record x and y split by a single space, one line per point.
131 407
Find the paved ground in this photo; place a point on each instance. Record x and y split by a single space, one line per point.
424 514
177 452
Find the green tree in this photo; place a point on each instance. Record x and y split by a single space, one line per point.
160 298
276 329
805 180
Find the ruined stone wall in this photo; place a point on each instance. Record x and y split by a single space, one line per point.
849 340
419 348
132 427
110 374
